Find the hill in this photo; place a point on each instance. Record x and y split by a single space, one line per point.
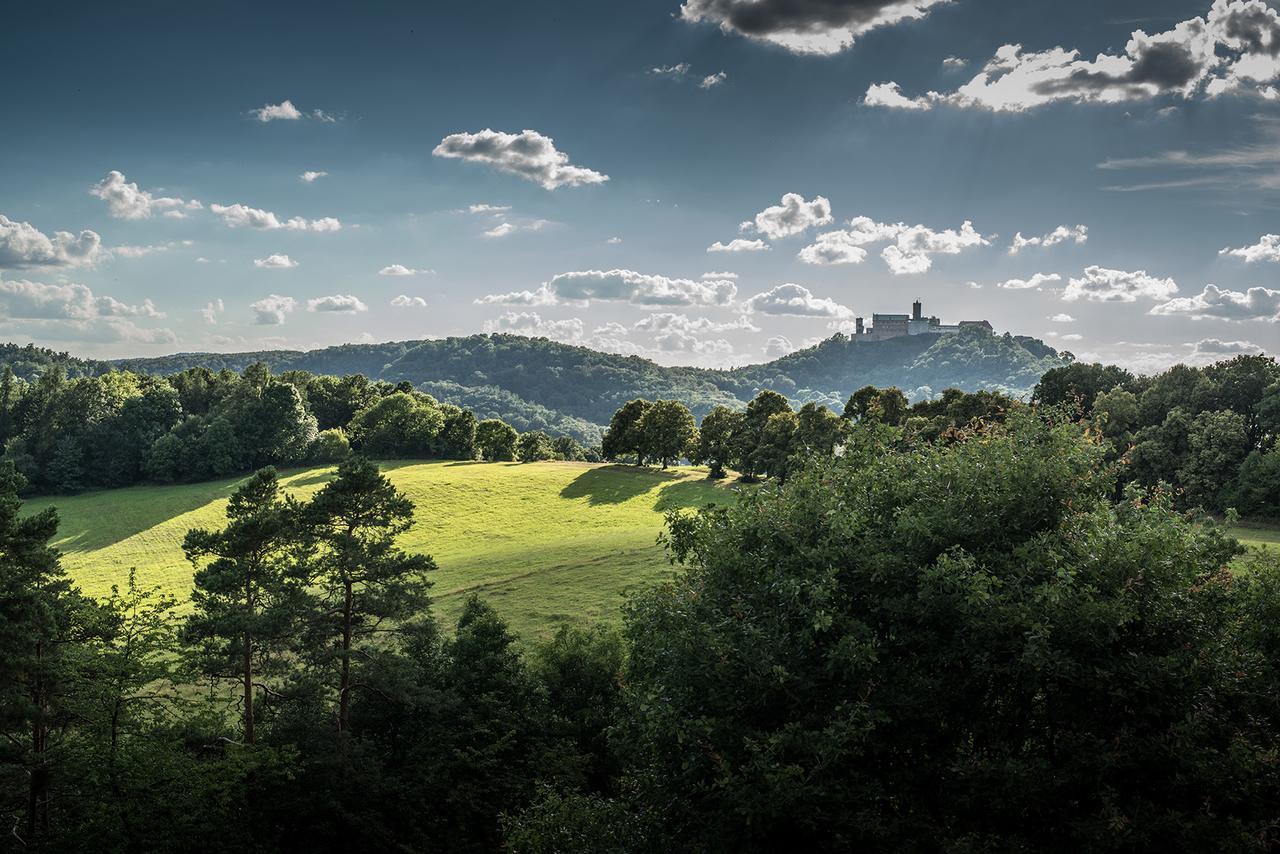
535 383
546 543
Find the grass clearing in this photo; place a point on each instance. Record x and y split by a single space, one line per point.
545 543
1257 535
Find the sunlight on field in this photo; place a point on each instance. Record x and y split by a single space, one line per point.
545 543
1258 536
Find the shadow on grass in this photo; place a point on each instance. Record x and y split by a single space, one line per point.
692 493
615 484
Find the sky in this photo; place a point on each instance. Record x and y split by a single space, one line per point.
717 182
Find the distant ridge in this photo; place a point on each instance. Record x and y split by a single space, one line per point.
543 384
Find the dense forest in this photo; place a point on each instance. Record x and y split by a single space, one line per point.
535 383
979 640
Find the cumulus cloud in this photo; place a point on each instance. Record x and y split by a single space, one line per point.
777 347
270 310
507 227
1034 282
22 246
402 270
621 286
797 301
275 262
1062 318
310 177
143 251
339 303
719 275
286 111
739 244
242 216
819 27
1234 48
527 154
488 209
28 300
531 324
1215 303
1266 249
211 311
713 80
1100 284
1061 234
125 201
791 217
405 301
670 322
1213 347
911 246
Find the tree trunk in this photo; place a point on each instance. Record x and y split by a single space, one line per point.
248 688
344 692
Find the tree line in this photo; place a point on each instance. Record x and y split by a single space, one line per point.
1210 433
120 428
968 643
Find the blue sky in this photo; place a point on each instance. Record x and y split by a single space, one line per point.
852 138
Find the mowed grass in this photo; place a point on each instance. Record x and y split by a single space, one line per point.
1258 535
545 543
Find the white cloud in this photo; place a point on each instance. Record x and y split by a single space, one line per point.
1061 234
791 217
284 111
211 311
621 286
1212 348
911 245
125 201
1266 249
614 241
1072 336
531 324
1234 48
402 270
22 245
275 262
1035 281
1062 318
507 227
797 301
28 300
1214 302
311 177
719 275
270 310
661 322
672 72
805 26
713 80
833 247
1100 284
527 154
340 303
777 347
142 251
238 216
488 209
404 301
954 63
739 244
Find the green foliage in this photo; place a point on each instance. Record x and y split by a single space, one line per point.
535 447
625 435
496 440
331 446
665 431
398 425
716 444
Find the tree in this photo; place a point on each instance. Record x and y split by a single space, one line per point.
667 429
42 620
567 448
1218 443
624 435
778 445
403 424
887 405
749 437
363 583
952 646
331 446
247 595
818 429
716 440
1079 383
496 440
457 439
534 447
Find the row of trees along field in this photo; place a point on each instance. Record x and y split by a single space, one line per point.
120 428
968 641
1209 433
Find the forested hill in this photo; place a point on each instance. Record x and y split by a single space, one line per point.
548 385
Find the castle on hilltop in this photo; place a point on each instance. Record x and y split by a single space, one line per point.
886 326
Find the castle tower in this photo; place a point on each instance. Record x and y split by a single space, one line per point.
915 310
857 325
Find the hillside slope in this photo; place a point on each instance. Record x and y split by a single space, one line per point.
545 543
542 382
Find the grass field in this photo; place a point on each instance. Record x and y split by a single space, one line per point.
545 543
1257 535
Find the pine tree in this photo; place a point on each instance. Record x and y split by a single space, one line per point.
247 596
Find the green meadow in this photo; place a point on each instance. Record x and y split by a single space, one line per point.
545 543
